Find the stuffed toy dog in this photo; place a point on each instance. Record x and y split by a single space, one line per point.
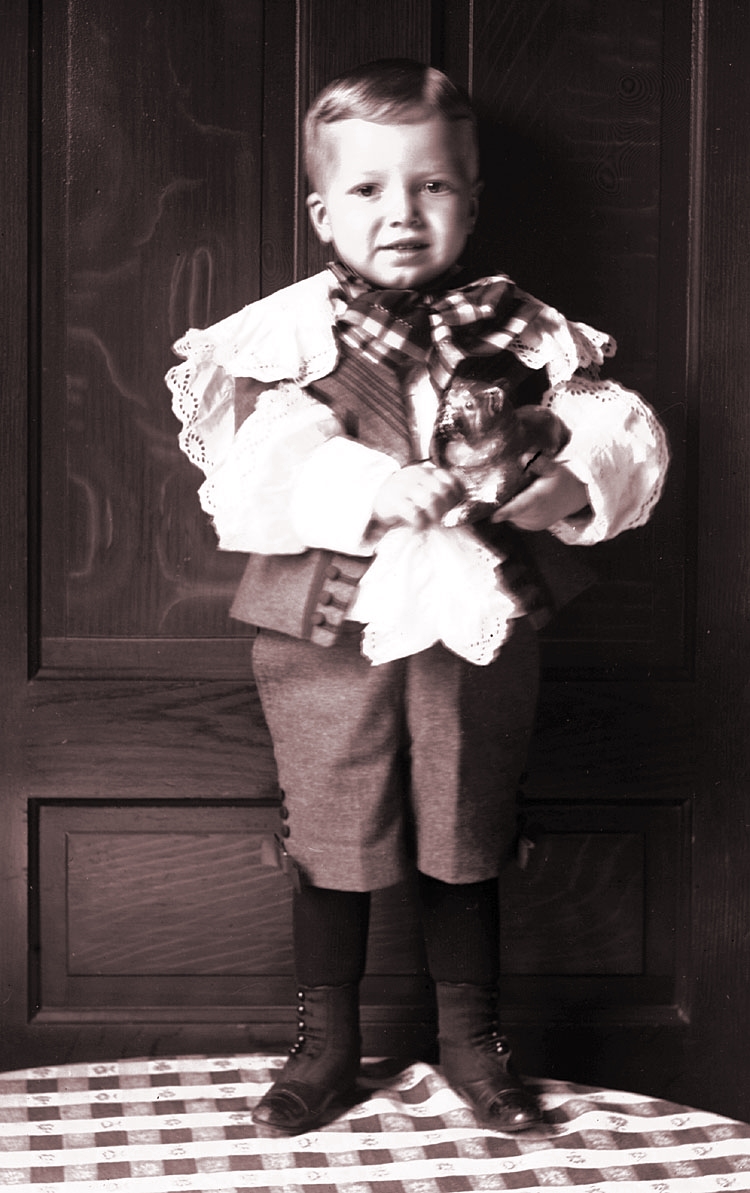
496 448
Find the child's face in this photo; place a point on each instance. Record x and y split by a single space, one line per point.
397 200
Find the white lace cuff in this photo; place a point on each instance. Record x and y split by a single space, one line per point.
618 450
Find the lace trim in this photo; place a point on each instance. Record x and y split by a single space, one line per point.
563 348
203 401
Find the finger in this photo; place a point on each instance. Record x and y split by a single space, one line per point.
520 505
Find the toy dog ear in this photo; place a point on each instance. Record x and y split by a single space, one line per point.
496 399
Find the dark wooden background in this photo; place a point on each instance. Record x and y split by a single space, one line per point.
154 150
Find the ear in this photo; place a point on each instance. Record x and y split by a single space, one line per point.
476 191
318 213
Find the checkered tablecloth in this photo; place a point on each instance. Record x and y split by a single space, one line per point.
159 1126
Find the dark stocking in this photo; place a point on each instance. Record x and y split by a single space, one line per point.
461 924
330 935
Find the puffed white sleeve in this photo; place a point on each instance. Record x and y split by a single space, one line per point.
618 449
288 479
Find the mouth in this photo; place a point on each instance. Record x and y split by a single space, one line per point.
405 246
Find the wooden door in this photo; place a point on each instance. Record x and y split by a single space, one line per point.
138 778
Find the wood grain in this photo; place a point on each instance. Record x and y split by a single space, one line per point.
610 202
157 203
136 740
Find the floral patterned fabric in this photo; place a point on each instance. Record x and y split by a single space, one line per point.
159 1126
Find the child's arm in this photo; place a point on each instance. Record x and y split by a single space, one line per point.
417 496
290 480
547 500
617 452
286 478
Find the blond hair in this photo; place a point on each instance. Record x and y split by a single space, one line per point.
391 90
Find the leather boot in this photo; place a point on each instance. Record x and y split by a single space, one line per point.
323 1062
476 1059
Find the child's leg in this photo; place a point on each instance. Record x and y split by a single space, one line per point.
461 927
330 935
470 728
330 947
337 729
461 924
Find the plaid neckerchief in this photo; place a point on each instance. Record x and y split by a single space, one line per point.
438 329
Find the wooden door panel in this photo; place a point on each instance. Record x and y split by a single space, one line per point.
166 910
161 224
137 764
152 223
164 226
584 116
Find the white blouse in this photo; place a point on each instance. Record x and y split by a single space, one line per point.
288 478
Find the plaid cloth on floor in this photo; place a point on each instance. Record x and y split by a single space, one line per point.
159 1126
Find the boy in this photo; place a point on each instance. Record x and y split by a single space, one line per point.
312 413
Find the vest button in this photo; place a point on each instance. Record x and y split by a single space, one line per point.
332 572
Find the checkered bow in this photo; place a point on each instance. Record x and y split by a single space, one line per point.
438 329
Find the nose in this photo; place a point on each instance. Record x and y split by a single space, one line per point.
403 209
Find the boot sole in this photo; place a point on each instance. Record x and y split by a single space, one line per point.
327 1113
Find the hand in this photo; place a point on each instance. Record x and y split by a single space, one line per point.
418 495
547 500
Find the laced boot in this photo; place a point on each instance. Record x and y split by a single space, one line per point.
476 1059
323 1062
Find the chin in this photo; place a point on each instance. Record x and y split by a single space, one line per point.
410 279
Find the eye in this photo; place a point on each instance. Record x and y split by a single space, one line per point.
437 186
366 190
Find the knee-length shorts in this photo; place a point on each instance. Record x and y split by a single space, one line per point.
414 762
